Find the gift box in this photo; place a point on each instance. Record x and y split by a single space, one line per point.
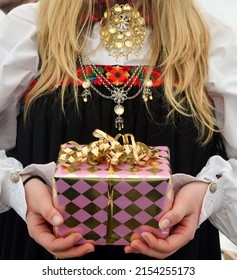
111 192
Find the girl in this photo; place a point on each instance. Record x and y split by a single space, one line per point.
138 67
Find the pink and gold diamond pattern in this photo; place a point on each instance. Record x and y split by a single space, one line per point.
140 196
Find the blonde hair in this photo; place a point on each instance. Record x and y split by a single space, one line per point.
180 48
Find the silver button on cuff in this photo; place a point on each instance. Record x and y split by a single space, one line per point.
15 177
212 187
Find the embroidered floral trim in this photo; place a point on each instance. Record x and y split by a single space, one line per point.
119 75
116 75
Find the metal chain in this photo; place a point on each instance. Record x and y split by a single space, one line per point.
136 72
100 76
111 96
118 95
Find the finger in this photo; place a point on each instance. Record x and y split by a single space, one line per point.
168 245
44 205
144 249
57 245
53 244
129 249
181 235
48 211
52 216
174 216
42 233
75 252
65 248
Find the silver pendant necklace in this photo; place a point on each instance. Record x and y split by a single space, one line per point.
118 94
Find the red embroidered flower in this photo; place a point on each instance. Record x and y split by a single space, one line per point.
117 76
107 68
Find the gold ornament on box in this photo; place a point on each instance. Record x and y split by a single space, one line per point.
122 31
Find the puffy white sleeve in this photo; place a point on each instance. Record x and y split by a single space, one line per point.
18 66
220 205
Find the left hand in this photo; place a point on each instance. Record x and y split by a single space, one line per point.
41 216
183 217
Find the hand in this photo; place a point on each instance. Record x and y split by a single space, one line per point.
184 218
41 216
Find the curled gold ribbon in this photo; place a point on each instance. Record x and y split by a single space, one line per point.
106 150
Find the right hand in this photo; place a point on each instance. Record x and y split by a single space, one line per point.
184 217
41 216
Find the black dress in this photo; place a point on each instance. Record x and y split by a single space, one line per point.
48 127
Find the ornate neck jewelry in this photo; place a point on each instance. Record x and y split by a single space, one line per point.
117 94
122 31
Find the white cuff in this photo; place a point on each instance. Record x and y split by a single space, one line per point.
221 208
12 193
213 172
180 179
46 171
11 190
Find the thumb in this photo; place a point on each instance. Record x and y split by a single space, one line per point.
172 217
40 202
56 218
50 213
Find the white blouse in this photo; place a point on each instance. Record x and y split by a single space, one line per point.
2 14
18 66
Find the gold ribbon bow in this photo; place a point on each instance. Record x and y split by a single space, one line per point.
106 150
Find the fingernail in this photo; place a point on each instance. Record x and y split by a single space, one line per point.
90 251
77 237
130 251
145 237
56 220
164 224
134 246
165 232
